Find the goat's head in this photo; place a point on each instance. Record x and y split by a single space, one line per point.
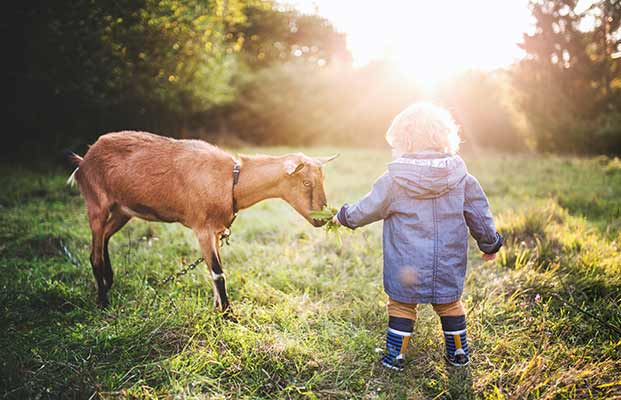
303 184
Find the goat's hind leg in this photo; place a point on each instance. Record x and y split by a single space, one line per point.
116 221
97 219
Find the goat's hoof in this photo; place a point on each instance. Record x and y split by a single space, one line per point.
102 302
228 314
231 317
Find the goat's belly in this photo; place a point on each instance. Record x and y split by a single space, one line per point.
147 213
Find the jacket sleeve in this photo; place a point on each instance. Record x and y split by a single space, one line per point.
479 217
372 207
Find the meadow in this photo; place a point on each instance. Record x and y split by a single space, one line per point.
544 319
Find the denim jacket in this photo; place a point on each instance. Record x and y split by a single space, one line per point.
428 202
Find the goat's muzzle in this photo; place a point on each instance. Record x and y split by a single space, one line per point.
318 222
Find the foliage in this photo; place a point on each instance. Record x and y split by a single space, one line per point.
250 69
326 214
311 313
569 85
483 106
264 73
295 103
165 66
284 36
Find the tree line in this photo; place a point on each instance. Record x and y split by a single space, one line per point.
260 72
569 84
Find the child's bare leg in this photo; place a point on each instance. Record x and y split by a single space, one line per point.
453 317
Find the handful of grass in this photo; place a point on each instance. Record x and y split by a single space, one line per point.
325 215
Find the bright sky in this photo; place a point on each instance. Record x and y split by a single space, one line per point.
429 40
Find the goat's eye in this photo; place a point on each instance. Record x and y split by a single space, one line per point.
306 183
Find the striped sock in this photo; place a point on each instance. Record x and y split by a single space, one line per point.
455 339
397 339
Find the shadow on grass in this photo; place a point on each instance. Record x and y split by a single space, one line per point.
57 344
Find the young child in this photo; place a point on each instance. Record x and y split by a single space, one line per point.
428 201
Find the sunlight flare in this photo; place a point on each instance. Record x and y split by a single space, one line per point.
429 41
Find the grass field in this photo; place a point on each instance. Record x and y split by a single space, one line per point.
544 320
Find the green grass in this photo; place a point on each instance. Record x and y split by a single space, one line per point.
311 312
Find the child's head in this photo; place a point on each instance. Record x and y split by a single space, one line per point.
423 126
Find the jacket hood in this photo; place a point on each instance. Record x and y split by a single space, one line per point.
426 175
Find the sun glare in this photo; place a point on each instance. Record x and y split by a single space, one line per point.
428 41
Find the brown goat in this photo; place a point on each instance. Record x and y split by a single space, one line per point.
138 174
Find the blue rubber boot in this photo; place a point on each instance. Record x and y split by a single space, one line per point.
397 338
455 340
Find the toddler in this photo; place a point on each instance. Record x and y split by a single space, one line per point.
428 202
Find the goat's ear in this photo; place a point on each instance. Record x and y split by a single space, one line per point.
293 167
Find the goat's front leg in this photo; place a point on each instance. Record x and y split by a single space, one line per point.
209 247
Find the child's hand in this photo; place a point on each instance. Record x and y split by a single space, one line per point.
488 257
336 221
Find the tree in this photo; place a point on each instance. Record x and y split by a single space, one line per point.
568 84
86 67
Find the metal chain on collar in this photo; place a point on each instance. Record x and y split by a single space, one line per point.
65 251
181 272
224 238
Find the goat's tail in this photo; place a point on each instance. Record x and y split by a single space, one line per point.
75 160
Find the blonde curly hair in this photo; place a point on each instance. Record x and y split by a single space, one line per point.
423 126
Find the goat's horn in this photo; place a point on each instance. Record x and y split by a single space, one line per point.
324 160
